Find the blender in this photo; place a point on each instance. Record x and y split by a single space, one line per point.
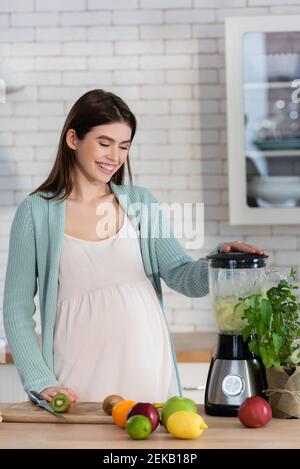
235 373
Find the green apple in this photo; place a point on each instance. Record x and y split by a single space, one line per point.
175 404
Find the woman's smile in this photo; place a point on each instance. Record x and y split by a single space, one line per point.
105 168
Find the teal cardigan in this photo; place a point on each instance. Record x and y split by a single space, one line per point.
33 261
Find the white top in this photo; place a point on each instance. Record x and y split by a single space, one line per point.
111 336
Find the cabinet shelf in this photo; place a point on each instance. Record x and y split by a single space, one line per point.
263 128
272 153
268 85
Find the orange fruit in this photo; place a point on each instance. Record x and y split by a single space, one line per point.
120 412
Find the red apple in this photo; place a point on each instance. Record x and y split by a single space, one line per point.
255 412
146 409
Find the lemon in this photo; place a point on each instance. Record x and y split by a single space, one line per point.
185 425
158 405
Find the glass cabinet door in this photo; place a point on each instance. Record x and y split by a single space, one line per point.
271 63
263 118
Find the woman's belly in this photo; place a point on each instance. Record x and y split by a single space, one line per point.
114 340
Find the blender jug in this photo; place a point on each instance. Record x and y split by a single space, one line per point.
229 280
235 373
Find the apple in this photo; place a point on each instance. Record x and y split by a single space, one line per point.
148 410
175 404
255 412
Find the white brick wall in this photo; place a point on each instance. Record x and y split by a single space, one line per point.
166 59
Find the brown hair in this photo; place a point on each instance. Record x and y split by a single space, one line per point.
96 107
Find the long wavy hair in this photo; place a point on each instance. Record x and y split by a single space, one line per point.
96 107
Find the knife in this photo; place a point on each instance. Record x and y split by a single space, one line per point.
38 399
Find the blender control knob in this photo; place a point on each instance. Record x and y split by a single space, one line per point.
233 385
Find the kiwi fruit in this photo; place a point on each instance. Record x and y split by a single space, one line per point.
110 401
60 403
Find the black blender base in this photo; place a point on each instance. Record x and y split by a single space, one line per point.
219 410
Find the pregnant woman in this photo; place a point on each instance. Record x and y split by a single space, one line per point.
96 249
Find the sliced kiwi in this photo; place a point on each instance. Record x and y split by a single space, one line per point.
60 403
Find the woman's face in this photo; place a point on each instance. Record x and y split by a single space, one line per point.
103 150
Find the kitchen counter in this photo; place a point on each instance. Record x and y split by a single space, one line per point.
222 432
189 347
195 346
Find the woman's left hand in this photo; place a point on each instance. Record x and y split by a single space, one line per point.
242 247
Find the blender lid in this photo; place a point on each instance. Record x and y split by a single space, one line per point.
237 260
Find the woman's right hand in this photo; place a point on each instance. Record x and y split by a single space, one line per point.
48 393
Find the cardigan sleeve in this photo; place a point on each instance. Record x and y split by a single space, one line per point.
179 270
18 303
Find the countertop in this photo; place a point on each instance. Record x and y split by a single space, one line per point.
195 346
189 347
222 432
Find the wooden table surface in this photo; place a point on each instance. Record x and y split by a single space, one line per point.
222 432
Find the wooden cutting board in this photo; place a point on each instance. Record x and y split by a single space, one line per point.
83 412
